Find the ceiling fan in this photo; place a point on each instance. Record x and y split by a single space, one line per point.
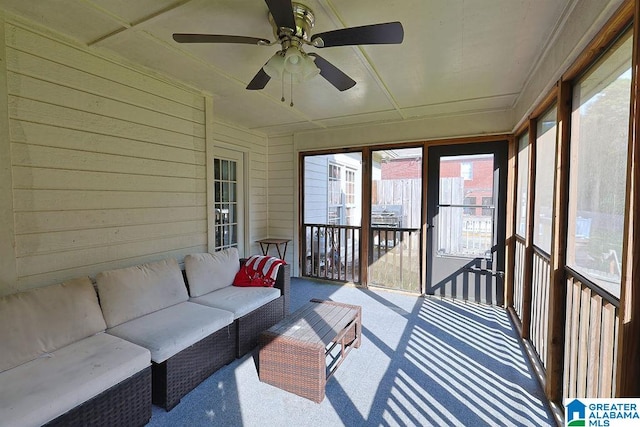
292 24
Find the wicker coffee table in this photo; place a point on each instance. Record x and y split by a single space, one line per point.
302 351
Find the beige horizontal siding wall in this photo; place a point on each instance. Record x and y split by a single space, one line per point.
282 193
107 163
8 281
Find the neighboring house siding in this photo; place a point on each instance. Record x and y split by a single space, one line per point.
108 162
315 187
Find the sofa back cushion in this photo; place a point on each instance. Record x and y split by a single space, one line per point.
208 272
42 320
129 293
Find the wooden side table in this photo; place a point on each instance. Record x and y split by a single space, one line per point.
278 243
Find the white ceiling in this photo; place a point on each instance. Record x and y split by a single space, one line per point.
458 56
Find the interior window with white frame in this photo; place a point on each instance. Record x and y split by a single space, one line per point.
334 199
350 195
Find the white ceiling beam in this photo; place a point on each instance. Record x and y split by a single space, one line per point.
366 61
132 26
123 22
226 76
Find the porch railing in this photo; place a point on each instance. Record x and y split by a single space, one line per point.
591 326
395 258
332 252
540 304
590 341
518 277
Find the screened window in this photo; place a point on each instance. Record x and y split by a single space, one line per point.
545 166
475 238
599 139
522 184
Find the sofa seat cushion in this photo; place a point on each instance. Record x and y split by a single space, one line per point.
45 319
238 300
171 330
43 389
208 272
132 292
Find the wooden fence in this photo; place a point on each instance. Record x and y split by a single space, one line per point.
400 192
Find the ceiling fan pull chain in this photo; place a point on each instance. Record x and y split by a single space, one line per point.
291 104
282 99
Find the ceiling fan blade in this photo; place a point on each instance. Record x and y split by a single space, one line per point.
217 38
333 74
282 12
259 81
388 33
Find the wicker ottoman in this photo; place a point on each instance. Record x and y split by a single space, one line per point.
302 351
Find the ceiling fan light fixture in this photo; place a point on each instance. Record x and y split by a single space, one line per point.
309 69
293 60
275 66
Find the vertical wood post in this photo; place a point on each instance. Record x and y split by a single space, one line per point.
425 229
628 365
365 224
558 285
528 251
302 232
512 180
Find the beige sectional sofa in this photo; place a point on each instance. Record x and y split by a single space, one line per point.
255 309
148 305
71 356
58 365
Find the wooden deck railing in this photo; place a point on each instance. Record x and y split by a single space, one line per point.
518 277
395 258
540 304
332 252
591 327
590 341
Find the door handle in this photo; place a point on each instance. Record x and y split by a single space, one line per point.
485 271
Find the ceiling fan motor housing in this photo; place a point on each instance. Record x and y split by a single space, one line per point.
304 20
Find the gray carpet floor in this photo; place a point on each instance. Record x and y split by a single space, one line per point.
422 362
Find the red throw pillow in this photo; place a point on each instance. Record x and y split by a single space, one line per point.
244 279
258 271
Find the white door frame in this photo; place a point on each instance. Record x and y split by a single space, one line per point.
240 157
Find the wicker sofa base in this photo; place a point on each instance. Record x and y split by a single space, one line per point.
125 404
181 373
251 325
